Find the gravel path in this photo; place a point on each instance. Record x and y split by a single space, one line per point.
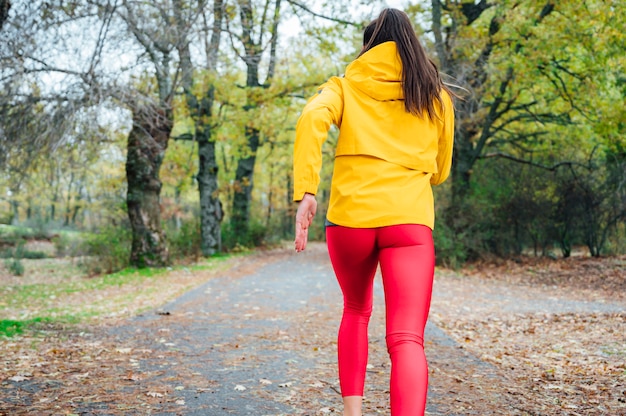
258 341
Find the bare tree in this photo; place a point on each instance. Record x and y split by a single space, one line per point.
34 119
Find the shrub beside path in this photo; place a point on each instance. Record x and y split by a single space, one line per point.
259 339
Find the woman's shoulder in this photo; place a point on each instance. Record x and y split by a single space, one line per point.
446 97
334 82
332 85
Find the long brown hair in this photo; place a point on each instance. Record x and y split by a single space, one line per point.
421 83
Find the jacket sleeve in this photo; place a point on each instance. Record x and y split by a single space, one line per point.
446 142
322 111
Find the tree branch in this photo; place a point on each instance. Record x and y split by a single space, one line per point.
332 19
551 168
492 116
233 36
104 29
436 29
273 43
216 34
473 10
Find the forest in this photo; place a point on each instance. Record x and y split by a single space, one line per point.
145 132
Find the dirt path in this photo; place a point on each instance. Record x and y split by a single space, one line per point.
260 340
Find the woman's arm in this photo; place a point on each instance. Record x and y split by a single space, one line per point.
321 112
446 142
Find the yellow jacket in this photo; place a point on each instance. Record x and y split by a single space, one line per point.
386 158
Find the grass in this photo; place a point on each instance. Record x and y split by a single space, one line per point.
59 290
9 328
63 295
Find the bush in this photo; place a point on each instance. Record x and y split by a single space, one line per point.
107 251
6 217
12 238
67 244
33 255
36 229
234 240
15 266
449 246
184 241
14 260
7 253
19 252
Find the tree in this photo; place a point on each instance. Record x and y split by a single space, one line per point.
531 69
251 53
200 110
34 118
496 102
152 121
535 75
256 44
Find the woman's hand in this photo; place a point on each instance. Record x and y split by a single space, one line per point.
304 217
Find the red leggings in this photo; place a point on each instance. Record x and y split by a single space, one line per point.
407 262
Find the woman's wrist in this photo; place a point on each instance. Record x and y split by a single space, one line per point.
306 196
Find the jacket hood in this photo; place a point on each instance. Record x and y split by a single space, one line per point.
378 73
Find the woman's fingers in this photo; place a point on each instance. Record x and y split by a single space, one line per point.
302 234
304 218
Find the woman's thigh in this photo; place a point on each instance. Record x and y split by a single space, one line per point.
407 261
354 257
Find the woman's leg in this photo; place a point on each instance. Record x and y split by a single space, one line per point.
407 261
355 258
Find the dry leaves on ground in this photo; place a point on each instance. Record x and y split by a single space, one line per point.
537 363
565 363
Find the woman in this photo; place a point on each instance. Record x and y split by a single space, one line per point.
396 124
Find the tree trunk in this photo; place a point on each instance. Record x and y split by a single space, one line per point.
211 213
270 197
147 143
15 212
242 197
68 201
288 219
77 201
244 184
54 184
461 169
52 210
